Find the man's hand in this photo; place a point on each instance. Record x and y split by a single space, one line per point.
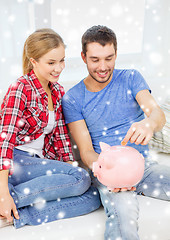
7 207
140 132
115 190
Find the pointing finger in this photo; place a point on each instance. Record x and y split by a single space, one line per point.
128 136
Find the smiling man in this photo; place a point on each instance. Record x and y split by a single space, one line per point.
100 66
109 106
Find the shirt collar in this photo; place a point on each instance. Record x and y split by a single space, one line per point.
36 84
55 88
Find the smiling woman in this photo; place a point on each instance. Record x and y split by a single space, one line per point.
49 66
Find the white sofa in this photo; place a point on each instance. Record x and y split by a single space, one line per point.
154 221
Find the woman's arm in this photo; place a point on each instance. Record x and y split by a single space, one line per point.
11 113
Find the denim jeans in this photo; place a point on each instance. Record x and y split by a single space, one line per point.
46 190
122 208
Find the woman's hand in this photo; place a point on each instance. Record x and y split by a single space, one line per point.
70 162
7 206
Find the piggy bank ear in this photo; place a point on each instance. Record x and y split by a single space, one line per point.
104 146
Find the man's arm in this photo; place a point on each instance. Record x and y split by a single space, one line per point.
141 132
80 134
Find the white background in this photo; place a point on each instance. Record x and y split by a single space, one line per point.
141 26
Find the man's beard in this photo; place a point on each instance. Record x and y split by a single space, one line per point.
102 81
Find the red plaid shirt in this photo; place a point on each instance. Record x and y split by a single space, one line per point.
24 115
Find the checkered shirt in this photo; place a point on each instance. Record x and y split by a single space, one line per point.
23 117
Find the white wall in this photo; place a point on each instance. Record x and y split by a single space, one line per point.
153 61
142 28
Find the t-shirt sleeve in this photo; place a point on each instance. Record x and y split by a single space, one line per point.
137 83
71 109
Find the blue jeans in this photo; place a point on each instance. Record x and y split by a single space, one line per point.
122 208
46 190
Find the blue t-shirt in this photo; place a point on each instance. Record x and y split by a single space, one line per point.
110 112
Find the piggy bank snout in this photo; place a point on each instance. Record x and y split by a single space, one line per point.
96 167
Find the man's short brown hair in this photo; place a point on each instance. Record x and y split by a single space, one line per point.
100 34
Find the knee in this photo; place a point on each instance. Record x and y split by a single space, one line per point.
128 206
121 230
123 208
122 220
83 179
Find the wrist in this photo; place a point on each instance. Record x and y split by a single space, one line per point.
4 179
4 191
152 124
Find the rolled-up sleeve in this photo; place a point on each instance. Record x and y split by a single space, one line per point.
11 113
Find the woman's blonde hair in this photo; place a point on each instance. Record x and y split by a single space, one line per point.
37 44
